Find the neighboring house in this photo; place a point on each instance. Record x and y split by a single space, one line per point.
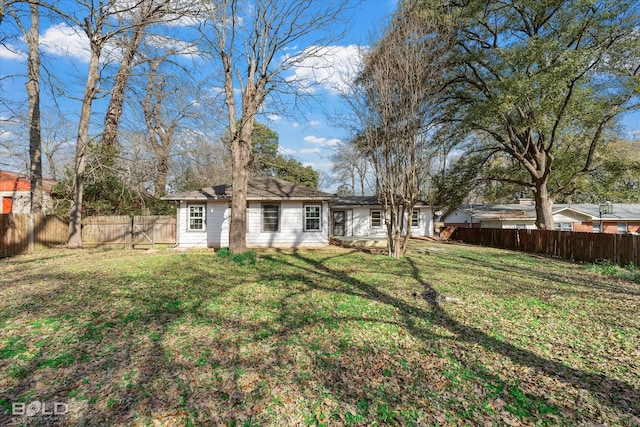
279 214
363 216
283 214
624 219
15 193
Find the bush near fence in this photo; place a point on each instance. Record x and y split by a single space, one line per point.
619 249
109 231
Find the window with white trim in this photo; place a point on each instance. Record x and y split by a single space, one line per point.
596 227
312 217
376 218
622 228
415 218
195 217
270 217
563 226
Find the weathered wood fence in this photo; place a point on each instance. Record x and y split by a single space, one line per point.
618 249
48 231
110 231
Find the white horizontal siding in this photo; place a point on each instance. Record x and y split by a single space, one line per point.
217 220
185 237
361 223
425 223
291 233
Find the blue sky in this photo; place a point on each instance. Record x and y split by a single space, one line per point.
306 134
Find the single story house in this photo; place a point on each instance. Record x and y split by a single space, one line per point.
279 214
584 217
363 216
15 193
283 214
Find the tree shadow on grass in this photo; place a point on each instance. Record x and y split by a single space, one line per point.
612 392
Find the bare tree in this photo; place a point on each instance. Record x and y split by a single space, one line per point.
134 24
394 102
349 164
31 35
164 107
96 27
247 41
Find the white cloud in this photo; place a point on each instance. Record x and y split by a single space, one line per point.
311 139
315 123
295 124
11 52
329 67
63 40
274 117
318 165
286 151
5 134
310 151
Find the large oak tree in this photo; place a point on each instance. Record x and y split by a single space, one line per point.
538 85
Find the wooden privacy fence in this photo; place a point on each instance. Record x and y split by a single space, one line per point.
112 231
123 231
48 231
619 249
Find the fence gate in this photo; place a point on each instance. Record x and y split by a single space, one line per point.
151 230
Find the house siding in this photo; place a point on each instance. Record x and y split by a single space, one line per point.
217 220
359 222
291 228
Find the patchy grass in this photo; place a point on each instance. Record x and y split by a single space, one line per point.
164 338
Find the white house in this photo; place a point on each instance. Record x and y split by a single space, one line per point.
283 214
357 216
279 214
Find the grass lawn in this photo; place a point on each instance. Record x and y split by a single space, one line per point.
166 338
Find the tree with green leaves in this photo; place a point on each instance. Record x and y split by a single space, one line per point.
540 86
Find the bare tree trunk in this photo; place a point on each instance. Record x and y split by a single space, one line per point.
82 143
114 110
160 186
33 92
544 206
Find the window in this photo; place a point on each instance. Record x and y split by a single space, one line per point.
596 227
195 218
270 217
376 218
622 228
563 226
312 218
415 218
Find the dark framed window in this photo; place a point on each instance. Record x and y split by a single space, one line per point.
312 217
270 217
376 218
195 217
415 218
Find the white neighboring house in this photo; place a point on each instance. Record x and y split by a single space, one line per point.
279 214
363 216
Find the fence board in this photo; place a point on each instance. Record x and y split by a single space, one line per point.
618 249
150 230
113 231
106 231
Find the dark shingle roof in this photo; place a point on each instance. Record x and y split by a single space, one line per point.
260 188
349 201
